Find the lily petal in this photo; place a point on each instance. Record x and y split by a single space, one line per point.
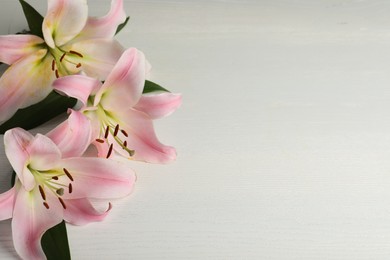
148 69
142 138
24 83
73 136
98 178
102 149
63 21
106 26
124 85
77 86
15 47
16 142
7 200
99 56
44 153
159 105
81 212
94 119
30 220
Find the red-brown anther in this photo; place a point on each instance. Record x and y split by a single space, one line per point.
116 130
124 133
53 65
124 144
57 75
70 188
77 53
43 195
62 57
99 140
68 174
107 131
109 151
46 205
55 177
62 202
78 65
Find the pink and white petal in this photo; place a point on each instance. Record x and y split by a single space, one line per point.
27 179
102 149
44 153
40 82
148 69
159 105
91 152
7 200
15 47
30 221
81 211
99 56
24 83
77 86
98 178
124 85
16 142
106 26
142 138
63 21
72 136
91 113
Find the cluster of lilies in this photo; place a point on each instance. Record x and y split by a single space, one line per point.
76 56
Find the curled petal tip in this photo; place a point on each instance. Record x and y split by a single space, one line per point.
159 105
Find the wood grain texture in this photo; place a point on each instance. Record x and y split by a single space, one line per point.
283 138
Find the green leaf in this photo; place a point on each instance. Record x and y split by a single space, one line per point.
53 105
13 178
122 25
152 87
55 243
34 19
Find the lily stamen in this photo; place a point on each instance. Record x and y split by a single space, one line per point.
116 130
70 188
68 174
78 65
57 74
43 195
53 65
124 133
62 57
55 178
107 131
46 205
76 53
62 202
109 151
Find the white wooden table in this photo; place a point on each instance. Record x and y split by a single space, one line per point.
283 138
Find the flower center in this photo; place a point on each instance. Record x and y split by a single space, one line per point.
49 181
111 133
62 59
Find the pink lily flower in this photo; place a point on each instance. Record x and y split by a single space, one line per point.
121 116
72 42
54 183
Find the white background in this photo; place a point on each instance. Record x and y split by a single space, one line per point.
283 137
